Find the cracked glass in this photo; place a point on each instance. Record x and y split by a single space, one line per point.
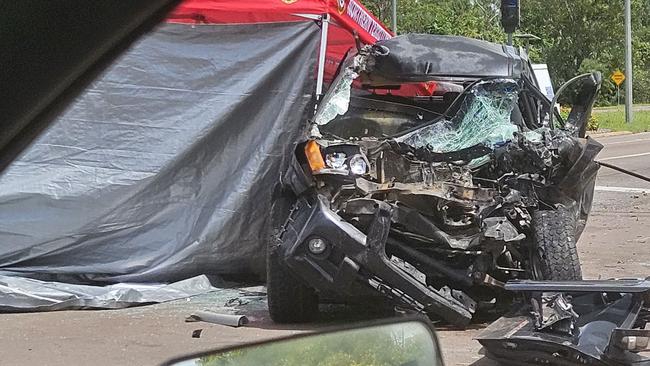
484 117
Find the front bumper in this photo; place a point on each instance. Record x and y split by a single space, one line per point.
356 264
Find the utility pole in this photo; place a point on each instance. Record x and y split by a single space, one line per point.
393 17
628 62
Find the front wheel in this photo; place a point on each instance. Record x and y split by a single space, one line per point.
289 300
555 255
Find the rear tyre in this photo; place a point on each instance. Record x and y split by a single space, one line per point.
555 255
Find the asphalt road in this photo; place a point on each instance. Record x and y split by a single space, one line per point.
614 244
631 152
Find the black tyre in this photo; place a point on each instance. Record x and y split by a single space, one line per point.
289 300
555 256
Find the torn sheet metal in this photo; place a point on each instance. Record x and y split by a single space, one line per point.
165 167
421 57
595 322
443 210
19 294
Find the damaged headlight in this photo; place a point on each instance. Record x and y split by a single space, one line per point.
336 159
358 165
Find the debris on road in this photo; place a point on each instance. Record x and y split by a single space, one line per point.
597 322
216 318
19 294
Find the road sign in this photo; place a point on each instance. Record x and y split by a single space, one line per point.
618 77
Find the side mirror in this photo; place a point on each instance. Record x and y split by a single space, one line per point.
581 93
398 342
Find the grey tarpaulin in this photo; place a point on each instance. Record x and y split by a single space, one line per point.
21 294
164 168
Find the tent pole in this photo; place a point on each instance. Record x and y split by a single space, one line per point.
325 19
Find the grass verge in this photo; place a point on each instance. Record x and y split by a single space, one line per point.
615 121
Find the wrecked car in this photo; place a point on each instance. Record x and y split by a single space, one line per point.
432 203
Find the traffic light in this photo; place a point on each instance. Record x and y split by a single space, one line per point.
510 15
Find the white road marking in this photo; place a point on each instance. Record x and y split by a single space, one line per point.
625 141
621 189
624 156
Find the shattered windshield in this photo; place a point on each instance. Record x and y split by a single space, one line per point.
337 101
484 117
349 111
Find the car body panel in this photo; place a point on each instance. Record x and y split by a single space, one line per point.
446 201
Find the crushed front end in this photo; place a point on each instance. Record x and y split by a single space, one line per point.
432 235
430 211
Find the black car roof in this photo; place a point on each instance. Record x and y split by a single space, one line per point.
423 57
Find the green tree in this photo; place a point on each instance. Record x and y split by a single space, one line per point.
577 35
588 35
470 18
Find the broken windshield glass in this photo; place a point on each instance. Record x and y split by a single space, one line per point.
337 101
484 117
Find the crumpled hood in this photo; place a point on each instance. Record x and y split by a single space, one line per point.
423 57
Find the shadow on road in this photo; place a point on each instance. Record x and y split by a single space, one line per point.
329 316
484 362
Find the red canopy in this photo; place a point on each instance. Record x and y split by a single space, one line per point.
348 16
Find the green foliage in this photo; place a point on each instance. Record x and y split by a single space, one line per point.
381 346
615 120
564 112
588 35
569 32
577 35
593 124
470 18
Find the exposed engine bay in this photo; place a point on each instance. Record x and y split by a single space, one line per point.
435 206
